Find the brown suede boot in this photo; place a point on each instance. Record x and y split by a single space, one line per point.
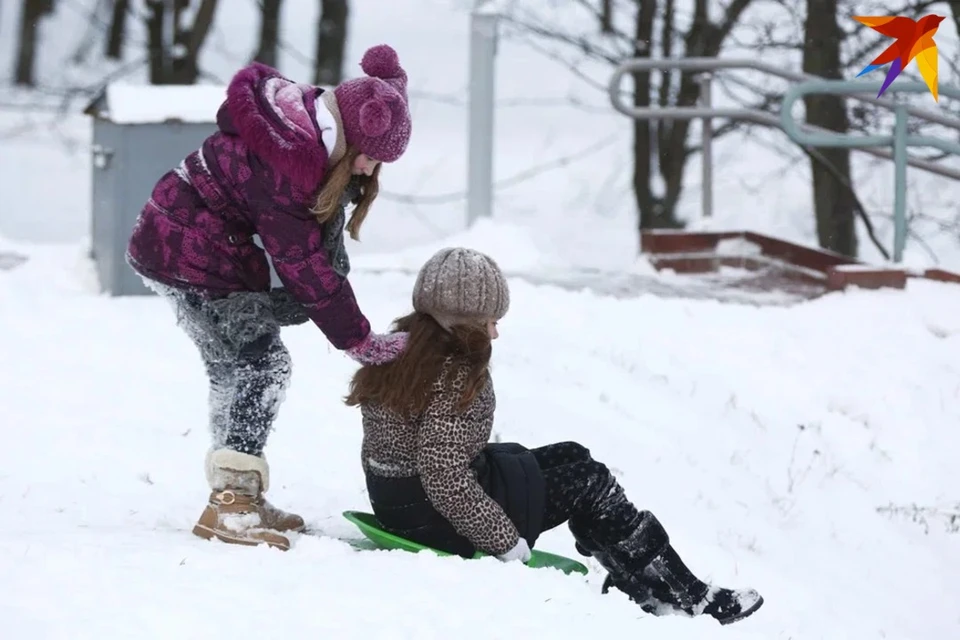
237 512
280 520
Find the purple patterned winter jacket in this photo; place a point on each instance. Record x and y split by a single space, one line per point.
258 174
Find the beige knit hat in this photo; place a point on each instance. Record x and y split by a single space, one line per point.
460 286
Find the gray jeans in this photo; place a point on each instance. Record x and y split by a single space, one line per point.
246 362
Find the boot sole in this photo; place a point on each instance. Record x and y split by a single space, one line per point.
743 614
208 534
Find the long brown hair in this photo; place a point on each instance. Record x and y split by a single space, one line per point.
328 200
406 384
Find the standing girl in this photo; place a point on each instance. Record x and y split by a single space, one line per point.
285 162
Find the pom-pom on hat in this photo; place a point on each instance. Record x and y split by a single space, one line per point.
374 111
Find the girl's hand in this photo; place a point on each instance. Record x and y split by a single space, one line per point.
379 348
520 551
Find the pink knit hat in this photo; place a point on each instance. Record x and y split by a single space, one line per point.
374 110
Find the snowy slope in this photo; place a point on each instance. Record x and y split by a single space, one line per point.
764 438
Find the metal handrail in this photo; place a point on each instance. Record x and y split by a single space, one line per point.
899 140
862 91
716 64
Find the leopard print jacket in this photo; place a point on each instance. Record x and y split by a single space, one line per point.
439 446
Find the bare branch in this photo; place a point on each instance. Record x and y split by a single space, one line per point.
571 67
732 15
580 43
517 178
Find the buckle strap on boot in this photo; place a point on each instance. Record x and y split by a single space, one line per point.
229 501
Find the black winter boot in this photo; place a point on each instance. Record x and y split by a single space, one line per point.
626 560
685 592
730 605
650 571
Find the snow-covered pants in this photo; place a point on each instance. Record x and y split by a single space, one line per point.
246 362
631 544
583 492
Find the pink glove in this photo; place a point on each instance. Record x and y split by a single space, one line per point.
379 348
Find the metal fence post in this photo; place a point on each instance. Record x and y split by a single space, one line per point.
900 183
483 50
706 153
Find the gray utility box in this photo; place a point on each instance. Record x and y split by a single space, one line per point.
139 133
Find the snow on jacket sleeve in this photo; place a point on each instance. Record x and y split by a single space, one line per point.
447 442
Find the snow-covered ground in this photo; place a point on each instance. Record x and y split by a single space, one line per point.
765 438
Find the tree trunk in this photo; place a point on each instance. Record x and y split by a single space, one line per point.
606 16
704 39
30 15
834 204
117 33
648 205
269 32
331 42
179 66
186 67
672 134
156 48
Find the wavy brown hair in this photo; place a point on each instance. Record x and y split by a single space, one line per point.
405 385
328 200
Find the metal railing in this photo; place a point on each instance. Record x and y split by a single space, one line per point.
899 140
807 135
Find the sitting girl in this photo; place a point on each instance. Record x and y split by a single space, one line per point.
433 478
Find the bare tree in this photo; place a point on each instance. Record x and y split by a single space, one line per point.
648 29
833 202
269 32
157 45
832 45
117 31
30 16
331 42
173 45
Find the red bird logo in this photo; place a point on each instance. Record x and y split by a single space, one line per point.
914 39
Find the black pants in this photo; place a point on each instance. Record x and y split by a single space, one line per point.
582 491
507 472
247 364
631 544
573 488
579 491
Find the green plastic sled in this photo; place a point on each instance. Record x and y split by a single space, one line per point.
368 524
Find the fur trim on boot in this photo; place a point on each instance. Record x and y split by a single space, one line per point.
223 465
